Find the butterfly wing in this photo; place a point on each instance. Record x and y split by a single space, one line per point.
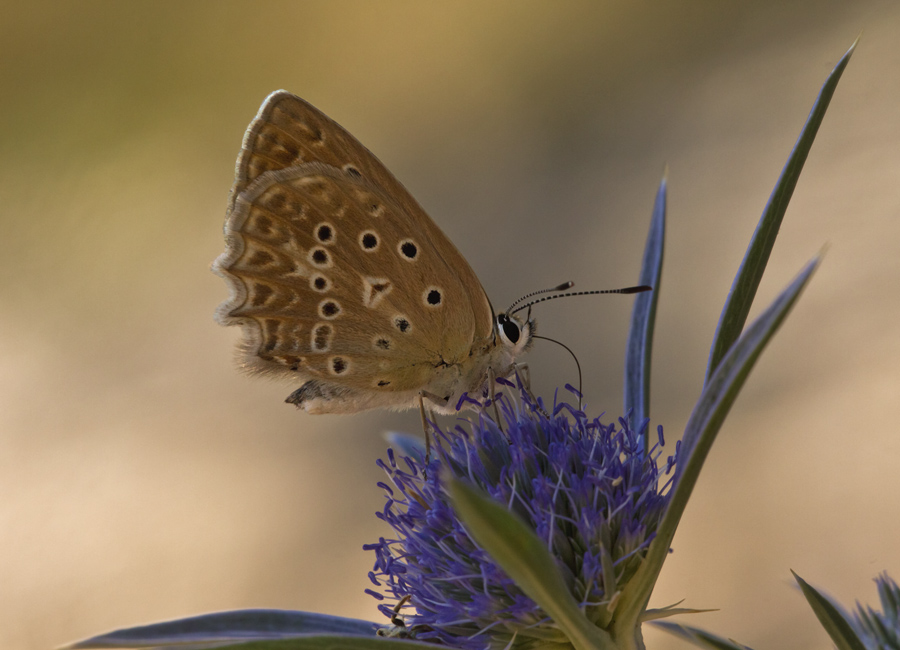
337 274
289 131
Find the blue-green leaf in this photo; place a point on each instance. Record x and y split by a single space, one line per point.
525 559
722 389
706 419
643 317
698 637
666 612
324 642
831 618
743 289
228 627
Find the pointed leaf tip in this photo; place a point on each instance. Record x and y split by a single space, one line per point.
643 316
746 281
699 637
831 617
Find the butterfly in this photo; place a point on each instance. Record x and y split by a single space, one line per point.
340 280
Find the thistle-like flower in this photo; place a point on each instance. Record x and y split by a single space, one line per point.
588 490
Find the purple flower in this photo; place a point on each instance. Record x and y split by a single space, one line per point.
587 489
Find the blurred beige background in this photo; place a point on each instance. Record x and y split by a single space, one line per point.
143 478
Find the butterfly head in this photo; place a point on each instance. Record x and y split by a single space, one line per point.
514 334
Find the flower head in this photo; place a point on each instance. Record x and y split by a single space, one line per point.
589 490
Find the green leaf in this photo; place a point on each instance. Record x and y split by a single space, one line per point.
228 627
722 389
831 618
526 560
325 642
743 289
666 612
643 317
699 637
700 432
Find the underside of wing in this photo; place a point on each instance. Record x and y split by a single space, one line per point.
333 280
289 132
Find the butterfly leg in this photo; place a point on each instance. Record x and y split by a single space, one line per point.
440 401
399 630
395 619
522 371
425 428
492 393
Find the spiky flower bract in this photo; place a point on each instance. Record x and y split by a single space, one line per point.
587 489
880 630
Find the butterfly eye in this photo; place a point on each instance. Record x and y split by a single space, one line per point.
509 328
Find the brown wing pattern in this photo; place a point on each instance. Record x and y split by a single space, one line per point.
333 280
288 132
